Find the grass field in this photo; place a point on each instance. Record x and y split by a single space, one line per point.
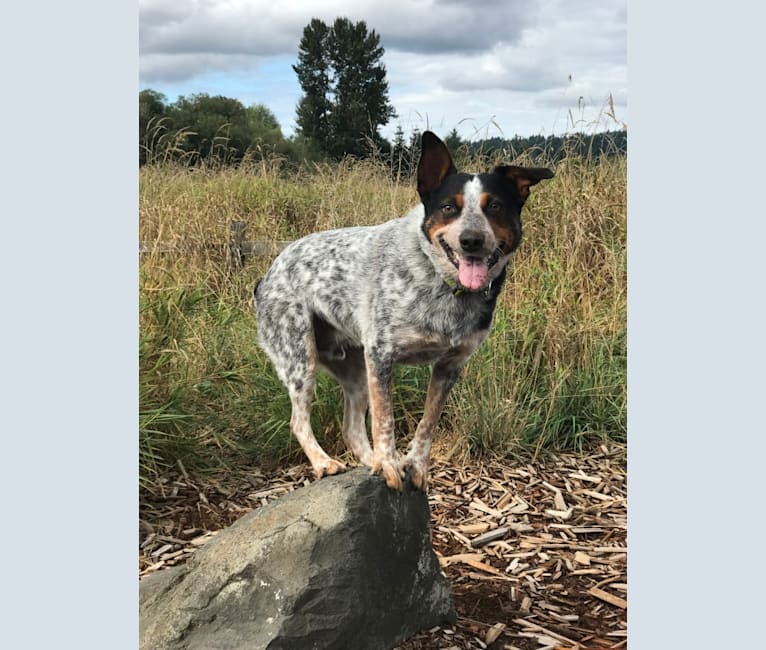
551 374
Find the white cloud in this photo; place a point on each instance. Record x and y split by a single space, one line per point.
211 27
515 62
268 28
182 66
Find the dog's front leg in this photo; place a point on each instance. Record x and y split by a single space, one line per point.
379 371
445 373
443 377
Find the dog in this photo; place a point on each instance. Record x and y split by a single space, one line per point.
419 289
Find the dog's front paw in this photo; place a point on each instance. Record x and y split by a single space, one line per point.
328 467
391 470
417 468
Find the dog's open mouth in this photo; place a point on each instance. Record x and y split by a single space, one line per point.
472 271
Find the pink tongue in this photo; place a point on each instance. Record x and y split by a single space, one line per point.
472 273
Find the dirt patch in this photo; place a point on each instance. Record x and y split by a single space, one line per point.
536 553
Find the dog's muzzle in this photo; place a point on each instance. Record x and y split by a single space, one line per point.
473 269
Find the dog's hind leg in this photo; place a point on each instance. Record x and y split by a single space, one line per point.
300 385
351 375
293 351
354 427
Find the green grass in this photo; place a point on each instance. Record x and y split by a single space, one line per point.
552 373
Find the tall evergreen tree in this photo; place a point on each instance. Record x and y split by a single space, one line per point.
400 159
415 138
344 81
453 140
313 70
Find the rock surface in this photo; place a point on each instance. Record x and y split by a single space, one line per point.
343 563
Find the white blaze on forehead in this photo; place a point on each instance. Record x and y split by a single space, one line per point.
472 194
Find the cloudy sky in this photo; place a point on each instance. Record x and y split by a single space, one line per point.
485 67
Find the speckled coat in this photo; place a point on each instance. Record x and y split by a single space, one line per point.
417 289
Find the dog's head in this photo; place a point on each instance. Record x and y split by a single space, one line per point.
472 222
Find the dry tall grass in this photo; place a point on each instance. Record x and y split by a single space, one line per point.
553 371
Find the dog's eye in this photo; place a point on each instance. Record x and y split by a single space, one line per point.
447 208
495 206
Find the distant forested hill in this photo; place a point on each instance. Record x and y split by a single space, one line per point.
608 143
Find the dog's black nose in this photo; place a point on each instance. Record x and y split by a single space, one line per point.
471 240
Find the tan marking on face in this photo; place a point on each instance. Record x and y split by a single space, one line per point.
503 233
433 228
438 219
451 234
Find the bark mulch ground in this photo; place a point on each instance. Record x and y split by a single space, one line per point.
535 552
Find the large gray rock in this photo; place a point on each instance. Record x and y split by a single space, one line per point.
343 563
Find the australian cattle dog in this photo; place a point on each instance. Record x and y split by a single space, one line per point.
419 289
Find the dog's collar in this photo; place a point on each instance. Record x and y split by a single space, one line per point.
457 290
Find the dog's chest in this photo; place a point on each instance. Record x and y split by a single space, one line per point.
427 332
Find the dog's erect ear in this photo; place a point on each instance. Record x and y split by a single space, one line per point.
435 164
523 177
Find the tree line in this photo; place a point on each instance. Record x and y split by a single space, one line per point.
344 104
201 126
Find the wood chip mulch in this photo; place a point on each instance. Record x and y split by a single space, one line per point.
536 553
